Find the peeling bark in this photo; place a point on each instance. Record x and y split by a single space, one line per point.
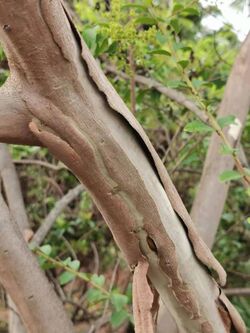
142 306
78 115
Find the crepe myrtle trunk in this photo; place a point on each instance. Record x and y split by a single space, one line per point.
57 96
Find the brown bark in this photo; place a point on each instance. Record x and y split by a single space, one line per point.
77 114
211 195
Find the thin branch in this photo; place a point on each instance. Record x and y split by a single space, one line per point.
27 285
12 188
237 292
132 80
45 227
57 167
173 94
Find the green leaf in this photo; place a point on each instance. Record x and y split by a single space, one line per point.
98 279
118 317
146 20
112 48
95 295
102 45
229 175
175 25
226 150
177 7
67 261
66 277
183 63
89 35
119 301
176 84
160 51
191 11
226 121
161 38
197 126
46 249
135 6
181 46
197 83
75 265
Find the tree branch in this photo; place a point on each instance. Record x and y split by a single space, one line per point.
173 94
16 205
22 278
12 189
47 224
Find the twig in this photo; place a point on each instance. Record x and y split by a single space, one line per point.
132 80
58 167
101 321
80 275
237 291
96 257
45 227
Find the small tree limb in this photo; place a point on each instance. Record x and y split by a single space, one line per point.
48 222
22 278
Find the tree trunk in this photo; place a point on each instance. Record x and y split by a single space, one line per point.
211 195
70 107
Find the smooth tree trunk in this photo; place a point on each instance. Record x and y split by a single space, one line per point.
62 100
212 193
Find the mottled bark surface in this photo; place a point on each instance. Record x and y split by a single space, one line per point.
70 107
